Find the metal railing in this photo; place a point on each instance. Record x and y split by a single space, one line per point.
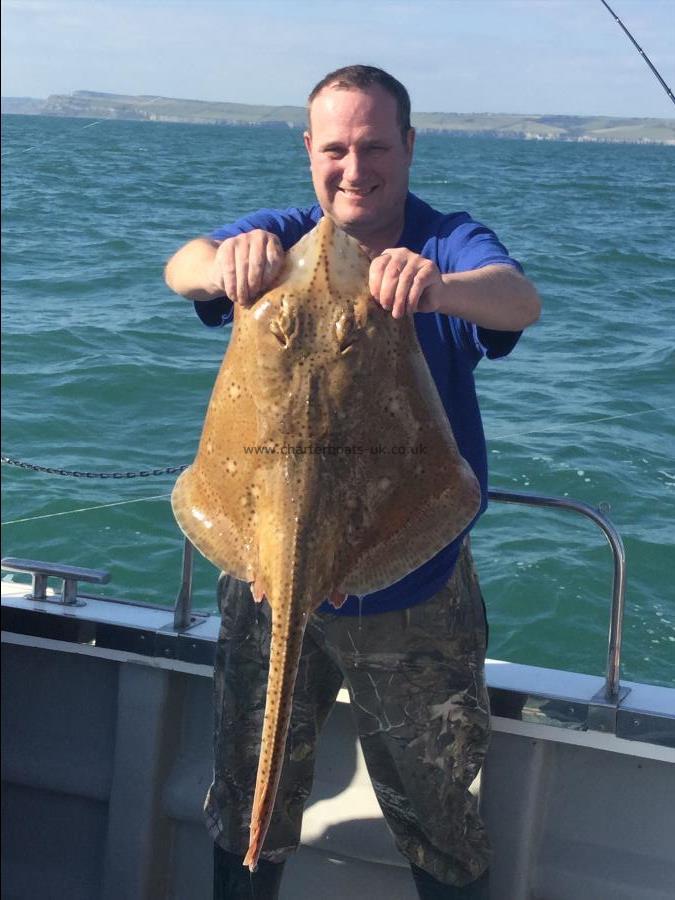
610 693
613 669
183 617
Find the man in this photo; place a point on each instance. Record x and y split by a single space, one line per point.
414 664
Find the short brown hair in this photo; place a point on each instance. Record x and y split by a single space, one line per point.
364 77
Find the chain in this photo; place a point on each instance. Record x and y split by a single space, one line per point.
146 473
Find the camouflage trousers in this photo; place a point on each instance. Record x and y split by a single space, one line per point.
418 697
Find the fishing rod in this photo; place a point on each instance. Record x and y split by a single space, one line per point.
640 51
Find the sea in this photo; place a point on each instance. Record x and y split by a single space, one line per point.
105 370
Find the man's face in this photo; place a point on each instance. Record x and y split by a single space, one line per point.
360 162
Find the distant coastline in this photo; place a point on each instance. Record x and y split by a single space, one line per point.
98 105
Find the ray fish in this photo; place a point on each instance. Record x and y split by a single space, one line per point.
326 465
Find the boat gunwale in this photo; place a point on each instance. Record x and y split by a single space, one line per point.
556 699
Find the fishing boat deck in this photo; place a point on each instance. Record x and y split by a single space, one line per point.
107 723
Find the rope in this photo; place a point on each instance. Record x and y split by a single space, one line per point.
60 137
50 470
641 412
42 143
70 512
171 470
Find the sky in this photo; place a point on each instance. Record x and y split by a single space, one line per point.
512 56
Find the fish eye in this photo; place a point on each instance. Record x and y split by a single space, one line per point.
278 332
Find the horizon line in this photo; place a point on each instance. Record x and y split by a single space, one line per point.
294 106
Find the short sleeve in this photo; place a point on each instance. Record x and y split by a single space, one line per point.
215 313
464 246
474 246
289 226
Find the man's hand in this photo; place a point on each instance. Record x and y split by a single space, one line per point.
241 267
247 265
495 296
405 282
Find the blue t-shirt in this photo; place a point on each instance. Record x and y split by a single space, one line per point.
452 348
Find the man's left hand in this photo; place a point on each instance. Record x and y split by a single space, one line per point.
405 282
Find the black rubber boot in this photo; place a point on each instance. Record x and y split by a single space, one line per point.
233 881
429 888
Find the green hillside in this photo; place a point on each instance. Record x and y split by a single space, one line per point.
97 105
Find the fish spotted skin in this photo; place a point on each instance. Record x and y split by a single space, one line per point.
286 492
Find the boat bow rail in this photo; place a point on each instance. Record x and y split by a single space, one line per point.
182 637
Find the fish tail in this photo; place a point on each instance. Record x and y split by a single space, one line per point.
288 628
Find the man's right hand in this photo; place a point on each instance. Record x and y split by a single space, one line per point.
247 265
241 267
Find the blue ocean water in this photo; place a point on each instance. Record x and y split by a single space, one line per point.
105 370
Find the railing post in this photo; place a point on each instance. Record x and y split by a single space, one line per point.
183 608
616 613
